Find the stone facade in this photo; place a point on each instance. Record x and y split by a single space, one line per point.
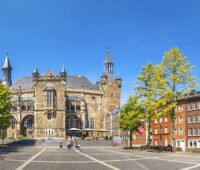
51 105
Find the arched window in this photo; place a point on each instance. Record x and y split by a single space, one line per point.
50 96
28 122
73 122
13 123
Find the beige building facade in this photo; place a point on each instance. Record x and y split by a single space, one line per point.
51 105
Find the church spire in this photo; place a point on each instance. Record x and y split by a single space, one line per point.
63 72
6 69
108 64
6 62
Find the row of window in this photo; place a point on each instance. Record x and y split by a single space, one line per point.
115 122
165 130
195 143
194 119
115 114
73 106
194 132
190 106
180 119
165 142
179 132
161 120
115 129
25 106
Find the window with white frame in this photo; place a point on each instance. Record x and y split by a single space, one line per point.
180 131
195 143
198 105
156 121
198 118
194 132
156 131
180 119
194 118
166 142
189 119
193 106
189 132
166 130
166 119
188 107
190 143
156 142
161 120
175 120
180 108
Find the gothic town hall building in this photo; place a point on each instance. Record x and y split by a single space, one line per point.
51 105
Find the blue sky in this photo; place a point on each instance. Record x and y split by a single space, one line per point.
75 33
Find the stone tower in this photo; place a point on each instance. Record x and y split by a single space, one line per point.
6 69
110 86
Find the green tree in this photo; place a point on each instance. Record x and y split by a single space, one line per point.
177 73
5 106
150 89
130 115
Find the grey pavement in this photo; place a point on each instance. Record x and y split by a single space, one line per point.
30 157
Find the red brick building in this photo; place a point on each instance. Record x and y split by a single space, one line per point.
187 124
193 120
161 132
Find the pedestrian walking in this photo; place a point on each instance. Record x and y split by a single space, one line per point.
61 145
68 144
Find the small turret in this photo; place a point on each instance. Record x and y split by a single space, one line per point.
104 79
6 69
63 72
35 73
119 81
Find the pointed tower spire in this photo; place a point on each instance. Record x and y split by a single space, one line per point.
63 72
35 72
6 62
108 65
6 69
108 58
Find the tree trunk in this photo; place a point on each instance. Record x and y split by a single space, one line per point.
173 129
149 131
131 138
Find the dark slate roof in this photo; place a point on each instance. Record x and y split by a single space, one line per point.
79 82
6 63
25 83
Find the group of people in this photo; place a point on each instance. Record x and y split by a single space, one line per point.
71 144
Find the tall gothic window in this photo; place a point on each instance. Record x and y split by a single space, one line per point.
13 123
73 106
91 124
50 98
73 122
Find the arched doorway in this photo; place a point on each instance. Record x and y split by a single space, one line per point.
27 125
73 123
